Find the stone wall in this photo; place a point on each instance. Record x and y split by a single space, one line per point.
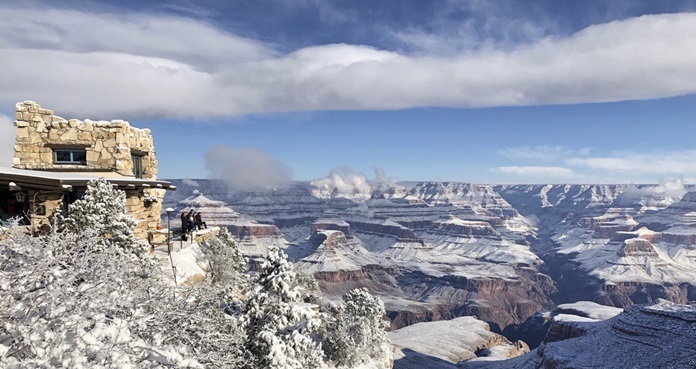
42 206
146 213
108 145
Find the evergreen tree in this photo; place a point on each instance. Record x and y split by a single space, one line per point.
357 335
225 260
277 324
103 210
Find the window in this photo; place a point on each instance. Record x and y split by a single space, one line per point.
70 156
137 166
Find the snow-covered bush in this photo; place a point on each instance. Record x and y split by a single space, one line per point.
196 322
103 210
65 303
357 335
277 324
69 309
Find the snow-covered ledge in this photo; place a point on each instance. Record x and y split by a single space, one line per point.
189 261
204 234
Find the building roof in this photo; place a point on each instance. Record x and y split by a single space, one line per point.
37 179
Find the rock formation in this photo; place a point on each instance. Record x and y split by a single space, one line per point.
444 343
659 335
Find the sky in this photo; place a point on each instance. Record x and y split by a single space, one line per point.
268 91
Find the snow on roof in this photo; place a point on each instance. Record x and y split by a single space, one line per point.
31 178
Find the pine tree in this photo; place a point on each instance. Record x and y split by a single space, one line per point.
225 259
103 210
357 335
277 324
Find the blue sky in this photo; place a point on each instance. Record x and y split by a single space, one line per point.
270 90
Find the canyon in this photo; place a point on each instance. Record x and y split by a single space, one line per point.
440 250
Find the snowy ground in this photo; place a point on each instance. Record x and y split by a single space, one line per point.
187 259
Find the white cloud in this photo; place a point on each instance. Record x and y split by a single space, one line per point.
107 66
495 25
537 171
7 140
666 188
246 168
541 153
345 182
383 183
578 166
190 182
666 163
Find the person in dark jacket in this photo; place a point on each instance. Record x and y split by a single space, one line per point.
199 221
191 221
184 222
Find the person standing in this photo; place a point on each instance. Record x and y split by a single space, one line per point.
191 221
184 223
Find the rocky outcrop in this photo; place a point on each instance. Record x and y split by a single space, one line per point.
536 329
564 330
341 276
332 225
496 301
610 223
660 335
444 343
468 229
637 247
679 238
624 294
248 229
384 229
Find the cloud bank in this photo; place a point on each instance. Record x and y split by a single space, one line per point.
537 171
168 66
246 169
584 166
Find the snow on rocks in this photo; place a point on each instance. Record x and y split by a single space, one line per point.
659 335
444 343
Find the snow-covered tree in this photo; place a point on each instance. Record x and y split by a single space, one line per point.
103 210
357 335
225 260
277 324
64 303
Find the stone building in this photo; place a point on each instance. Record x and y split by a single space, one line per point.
55 158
